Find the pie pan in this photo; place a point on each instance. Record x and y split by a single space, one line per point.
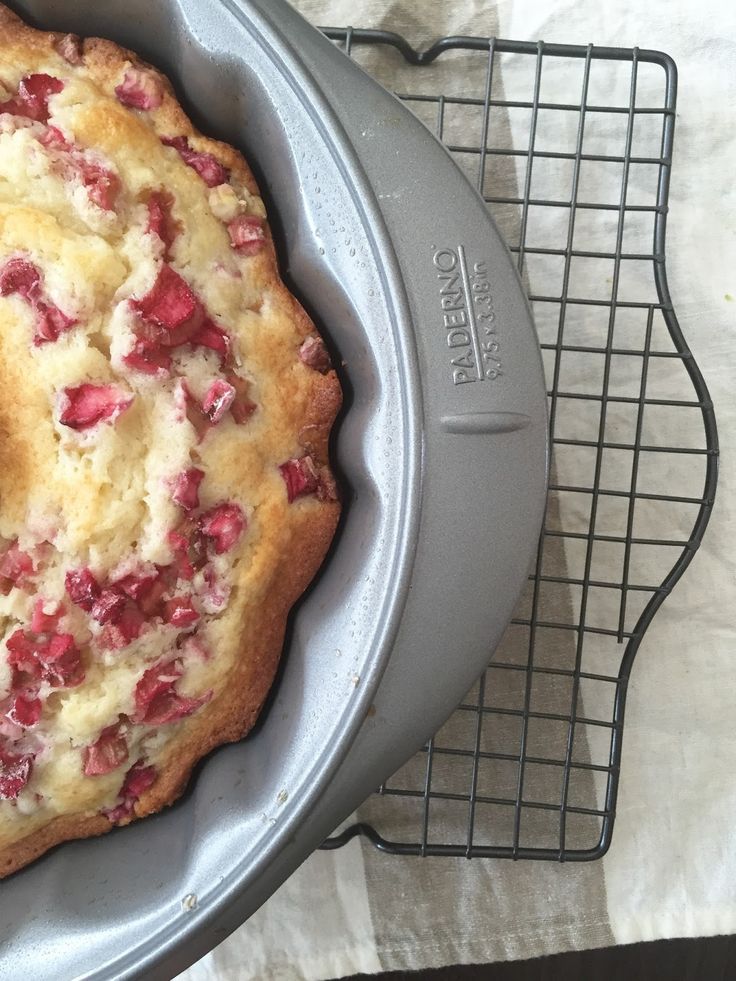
442 449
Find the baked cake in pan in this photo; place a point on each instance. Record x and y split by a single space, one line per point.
165 409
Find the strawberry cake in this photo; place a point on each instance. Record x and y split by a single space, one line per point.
165 410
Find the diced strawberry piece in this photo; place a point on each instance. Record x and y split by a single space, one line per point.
131 623
135 585
190 549
156 680
171 707
15 567
46 616
53 139
190 409
246 234
70 48
180 545
184 333
102 185
147 358
300 477
86 405
108 753
53 658
33 96
50 323
170 302
217 400
179 612
137 781
24 711
109 606
151 598
35 91
22 653
242 408
126 629
161 221
223 524
155 683
314 354
60 662
186 488
211 336
15 772
82 587
140 89
20 276
206 165
157 701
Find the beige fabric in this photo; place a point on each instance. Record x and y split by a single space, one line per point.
671 868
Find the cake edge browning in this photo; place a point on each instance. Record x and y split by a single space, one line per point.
233 713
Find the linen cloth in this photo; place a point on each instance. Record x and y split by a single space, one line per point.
672 866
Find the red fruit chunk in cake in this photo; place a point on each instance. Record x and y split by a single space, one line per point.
102 185
108 753
109 606
157 702
85 405
209 169
24 710
217 400
161 221
186 488
170 302
179 612
33 96
126 628
242 408
223 525
21 277
15 567
137 781
15 772
148 358
246 234
211 336
52 658
82 587
300 477
136 584
140 90
46 616
314 354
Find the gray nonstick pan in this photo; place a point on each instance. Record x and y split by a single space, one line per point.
442 448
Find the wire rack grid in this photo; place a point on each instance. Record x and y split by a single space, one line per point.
528 766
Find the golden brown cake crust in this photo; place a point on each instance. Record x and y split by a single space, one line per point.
235 708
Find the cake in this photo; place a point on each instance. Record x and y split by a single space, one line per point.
165 411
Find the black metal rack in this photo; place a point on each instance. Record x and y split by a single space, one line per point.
528 766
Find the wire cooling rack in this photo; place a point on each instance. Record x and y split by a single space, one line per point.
528 766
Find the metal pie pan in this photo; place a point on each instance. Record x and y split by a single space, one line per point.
443 448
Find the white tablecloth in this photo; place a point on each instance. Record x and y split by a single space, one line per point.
672 866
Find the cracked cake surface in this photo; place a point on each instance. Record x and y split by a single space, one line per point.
165 410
